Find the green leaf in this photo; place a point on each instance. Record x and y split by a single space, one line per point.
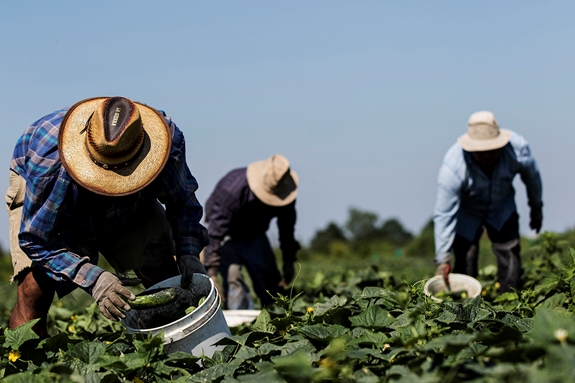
154 343
450 342
265 349
561 363
551 326
268 376
294 367
372 292
14 338
215 373
334 302
553 302
182 357
262 322
369 338
507 297
324 332
374 318
58 342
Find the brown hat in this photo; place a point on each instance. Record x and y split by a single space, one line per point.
483 133
112 145
272 181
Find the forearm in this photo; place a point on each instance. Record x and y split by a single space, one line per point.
61 264
444 222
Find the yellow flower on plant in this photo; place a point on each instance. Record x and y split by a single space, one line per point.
70 328
310 309
137 380
561 335
14 355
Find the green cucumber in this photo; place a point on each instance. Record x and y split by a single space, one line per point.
154 298
193 308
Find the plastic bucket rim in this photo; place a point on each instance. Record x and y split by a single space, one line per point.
474 282
198 324
157 330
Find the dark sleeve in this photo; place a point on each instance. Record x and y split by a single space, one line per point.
286 225
219 214
177 193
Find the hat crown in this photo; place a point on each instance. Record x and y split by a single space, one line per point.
276 174
115 132
482 126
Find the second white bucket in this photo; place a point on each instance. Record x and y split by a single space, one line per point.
194 333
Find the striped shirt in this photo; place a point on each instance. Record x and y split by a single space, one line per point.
63 222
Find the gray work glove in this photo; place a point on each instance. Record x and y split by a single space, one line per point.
107 291
189 265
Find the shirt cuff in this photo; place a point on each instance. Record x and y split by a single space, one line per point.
87 275
443 258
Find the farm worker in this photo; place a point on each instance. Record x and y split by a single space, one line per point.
92 179
475 193
238 214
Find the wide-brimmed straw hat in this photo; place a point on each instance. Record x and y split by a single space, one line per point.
112 145
483 133
272 180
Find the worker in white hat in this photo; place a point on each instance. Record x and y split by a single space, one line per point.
476 194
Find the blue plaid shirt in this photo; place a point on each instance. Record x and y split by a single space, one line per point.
466 197
62 222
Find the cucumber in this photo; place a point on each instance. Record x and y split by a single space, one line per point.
154 298
452 295
193 308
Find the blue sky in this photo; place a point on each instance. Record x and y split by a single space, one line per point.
364 98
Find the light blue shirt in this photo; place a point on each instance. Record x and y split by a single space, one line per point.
467 198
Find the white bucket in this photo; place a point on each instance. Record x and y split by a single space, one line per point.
237 317
457 282
194 333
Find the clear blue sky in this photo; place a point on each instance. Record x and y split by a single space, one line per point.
364 98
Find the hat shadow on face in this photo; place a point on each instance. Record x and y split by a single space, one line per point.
285 186
132 166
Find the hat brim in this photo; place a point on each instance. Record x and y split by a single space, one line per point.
470 145
255 176
141 170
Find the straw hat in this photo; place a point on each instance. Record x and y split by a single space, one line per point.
112 145
483 133
272 181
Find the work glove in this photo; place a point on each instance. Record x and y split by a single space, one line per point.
536 219
444 269
108 292
288 272
189 265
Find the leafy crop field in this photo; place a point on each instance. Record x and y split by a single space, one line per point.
358 325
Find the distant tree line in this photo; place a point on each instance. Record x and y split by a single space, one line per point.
364 233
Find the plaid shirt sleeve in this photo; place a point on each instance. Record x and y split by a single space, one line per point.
47 186
177 193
